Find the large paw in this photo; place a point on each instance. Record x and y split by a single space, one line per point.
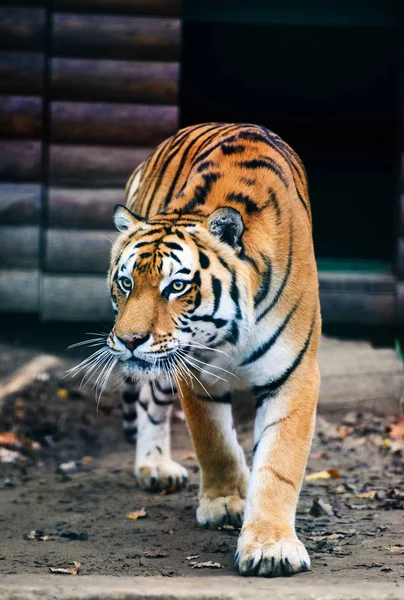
163 475
224 510
271 558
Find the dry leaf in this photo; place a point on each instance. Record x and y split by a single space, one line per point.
62 393
86 460
371 494
189 457
340 489
206 565
395 549
155 554
192 557
73 571
344 430
171 490
137 514
7 438
169 531
397 429
328 474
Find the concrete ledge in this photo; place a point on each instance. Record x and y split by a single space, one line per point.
52 587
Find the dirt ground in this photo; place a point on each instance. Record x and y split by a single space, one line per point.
80 515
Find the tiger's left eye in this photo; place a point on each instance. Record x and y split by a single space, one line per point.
178 285
125 283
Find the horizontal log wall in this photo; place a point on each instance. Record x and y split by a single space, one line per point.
20 204
93 166
78 251
75 298
21 73
82 208
125 37
115 124
20 161
19 247
112 80
20 117
169 8
19 290
22 28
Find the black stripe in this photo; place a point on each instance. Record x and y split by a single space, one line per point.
130 397
130 416
221 132
173 246
217 292
284 281
160 402
202 191
209 319
265 282
155 421
184 157
234 295
226 399
265 163
208 164
231 336
263 392
167 392
245 200
184 270
271 341
175 257
232 149
204 260
273 200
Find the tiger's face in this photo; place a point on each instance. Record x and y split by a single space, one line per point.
173 288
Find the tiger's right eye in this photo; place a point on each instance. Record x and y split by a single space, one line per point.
125 283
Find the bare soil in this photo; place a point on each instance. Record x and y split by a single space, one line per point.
81 515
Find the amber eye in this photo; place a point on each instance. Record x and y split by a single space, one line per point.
178 285
125 283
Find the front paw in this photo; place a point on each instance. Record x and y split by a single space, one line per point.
262 555
224 510
161 475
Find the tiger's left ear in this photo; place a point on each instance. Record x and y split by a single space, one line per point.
124 219
227 224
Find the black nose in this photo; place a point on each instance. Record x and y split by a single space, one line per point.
133 341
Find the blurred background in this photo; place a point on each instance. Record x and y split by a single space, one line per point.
89 87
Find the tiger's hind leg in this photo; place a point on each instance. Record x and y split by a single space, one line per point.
154 469
130 397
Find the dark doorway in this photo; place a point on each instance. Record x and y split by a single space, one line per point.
328 84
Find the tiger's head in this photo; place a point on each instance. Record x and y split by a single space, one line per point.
175 286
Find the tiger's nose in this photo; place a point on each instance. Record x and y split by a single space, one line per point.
133 341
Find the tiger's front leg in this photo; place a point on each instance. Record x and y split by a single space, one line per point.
154 469
224 473
268 544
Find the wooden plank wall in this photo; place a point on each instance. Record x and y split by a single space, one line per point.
88 89
22 61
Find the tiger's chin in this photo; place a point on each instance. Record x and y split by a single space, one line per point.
139 368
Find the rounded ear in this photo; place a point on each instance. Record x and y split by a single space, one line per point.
124 219
227 224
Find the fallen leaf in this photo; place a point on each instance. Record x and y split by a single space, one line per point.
137 514
169 531
38 534
320 508
344 430
168 491
68 467
206 565
155 554
73 571
192 557
8 438
189 457
371 494
86 460
328 474
62 393
395 549
397 429
340 489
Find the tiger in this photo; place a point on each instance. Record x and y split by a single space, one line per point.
214 289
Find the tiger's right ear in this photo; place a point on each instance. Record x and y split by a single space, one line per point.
124 219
